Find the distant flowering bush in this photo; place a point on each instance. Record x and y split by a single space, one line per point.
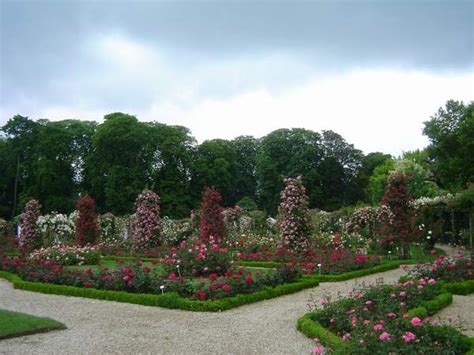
293 215
449 269
113 230
375 320
232 216
30 235
212 219
195 258
146 225
175 231
58 228
67 255
87 228
401 229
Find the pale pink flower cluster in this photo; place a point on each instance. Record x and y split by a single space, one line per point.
66 255
293 215
30 235
146 224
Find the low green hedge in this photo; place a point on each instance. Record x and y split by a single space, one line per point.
262 264
167 300
389 265
433 306
312 329
460 288
243 263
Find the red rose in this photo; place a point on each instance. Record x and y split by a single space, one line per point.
249 280
154 261
119 261
147 269
226 288
213 277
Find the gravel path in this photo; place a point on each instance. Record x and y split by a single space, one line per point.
95 326
460 314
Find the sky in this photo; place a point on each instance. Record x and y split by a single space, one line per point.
372 71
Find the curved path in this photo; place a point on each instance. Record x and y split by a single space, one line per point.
94 326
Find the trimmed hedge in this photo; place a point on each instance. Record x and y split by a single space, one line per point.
433 306
389 265
312 329
460 288
167 300
243 263
262 264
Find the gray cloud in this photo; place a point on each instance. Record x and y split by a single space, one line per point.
215 48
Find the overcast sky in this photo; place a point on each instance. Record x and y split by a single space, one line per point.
372 71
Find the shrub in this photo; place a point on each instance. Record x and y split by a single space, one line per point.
30 235
58 228
401 229
113 231
194 258
146 224
67 255
87 229
293 215
448 269
212 220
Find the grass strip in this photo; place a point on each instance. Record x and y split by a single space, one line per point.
14 324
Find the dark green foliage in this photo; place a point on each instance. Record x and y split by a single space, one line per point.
451 132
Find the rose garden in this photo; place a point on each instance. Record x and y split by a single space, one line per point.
222 258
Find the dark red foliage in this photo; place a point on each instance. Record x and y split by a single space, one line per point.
212 220
87 229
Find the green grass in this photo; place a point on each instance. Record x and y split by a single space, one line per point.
14 324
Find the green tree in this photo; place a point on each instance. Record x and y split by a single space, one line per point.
172 149
214 165
339 169
117 170
451 132
418 179
288 153
245 178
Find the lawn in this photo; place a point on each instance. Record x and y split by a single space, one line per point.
14 324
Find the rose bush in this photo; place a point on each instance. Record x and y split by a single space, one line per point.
67 255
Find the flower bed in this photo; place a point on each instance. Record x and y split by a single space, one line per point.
386 319
166 300
67 255
169 298
448 269
395 318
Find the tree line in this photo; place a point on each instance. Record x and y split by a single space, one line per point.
114 161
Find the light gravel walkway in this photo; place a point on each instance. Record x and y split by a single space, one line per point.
95 326
460 314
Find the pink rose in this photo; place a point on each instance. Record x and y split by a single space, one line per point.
408 337
416 322
384 336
